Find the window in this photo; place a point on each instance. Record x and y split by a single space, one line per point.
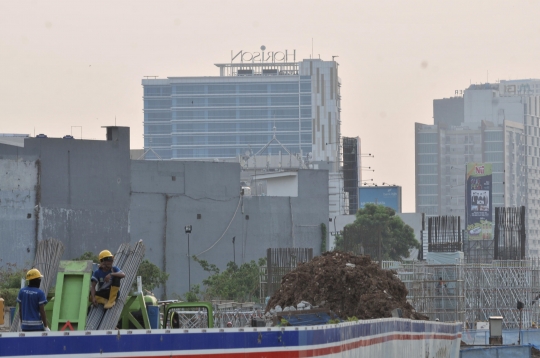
305 86
305 100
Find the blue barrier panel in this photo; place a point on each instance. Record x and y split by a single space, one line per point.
496 352
510 336
531 337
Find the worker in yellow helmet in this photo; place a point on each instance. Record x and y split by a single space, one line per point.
105 281
32 302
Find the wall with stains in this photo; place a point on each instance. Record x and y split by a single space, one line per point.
168 195
75 191
91 196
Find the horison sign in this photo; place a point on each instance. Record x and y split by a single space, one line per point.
263 57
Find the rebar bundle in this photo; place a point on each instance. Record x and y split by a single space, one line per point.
96 313
47 260
128 260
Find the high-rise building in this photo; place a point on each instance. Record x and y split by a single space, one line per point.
501 126
242 109
265 110
352 175
449 111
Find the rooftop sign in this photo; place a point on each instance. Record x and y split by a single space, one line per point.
263 57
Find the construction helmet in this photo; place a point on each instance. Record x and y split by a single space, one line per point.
105 253
33 274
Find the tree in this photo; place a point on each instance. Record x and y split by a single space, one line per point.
378 231
10 283
238 283
323 237
151 276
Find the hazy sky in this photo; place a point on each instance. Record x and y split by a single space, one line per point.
75 63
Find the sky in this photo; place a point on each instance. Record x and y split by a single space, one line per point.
71 67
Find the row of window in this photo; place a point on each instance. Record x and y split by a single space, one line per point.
428 138
427 158
294 125
225 152
427 169
428 148
427 200
287 87
493 136
239 101
493 146
428 190
252 113
241 139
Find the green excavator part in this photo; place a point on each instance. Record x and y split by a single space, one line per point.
135 302
71 295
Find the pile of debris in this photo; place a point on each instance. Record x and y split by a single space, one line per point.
348 285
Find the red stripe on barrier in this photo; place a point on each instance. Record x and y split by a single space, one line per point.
316 352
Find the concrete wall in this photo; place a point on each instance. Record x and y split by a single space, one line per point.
167 196
75 191
91 196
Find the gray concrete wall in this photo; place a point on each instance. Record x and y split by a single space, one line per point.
91 196
78 191
167 196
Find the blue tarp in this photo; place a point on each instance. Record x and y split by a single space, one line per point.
308 319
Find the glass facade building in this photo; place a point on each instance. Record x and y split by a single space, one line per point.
227 116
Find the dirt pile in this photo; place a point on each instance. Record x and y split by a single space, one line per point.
348 285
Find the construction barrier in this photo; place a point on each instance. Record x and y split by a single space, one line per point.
387 337
496 352
510 336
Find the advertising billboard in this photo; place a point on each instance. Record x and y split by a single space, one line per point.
478 201
381 195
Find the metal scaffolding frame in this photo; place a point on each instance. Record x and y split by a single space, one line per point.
472 293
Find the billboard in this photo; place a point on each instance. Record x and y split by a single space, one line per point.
478 201
381 195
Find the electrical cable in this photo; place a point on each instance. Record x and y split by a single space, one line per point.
227 228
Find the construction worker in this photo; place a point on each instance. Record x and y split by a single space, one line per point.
107 279
32 302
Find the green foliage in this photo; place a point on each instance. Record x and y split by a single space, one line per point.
334 321
88 255
194 295
338 243
10 283
10 296
283 322
240 284
152 277
352 319
323 238
378 226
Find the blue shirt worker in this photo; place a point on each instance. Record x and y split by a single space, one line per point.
32 302
105 281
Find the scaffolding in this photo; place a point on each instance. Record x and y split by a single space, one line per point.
472 293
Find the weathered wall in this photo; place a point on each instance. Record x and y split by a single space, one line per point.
78 192
91 196
18 180
167 196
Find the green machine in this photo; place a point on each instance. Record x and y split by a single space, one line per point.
71 296
69 307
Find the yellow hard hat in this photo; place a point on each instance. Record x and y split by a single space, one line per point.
105 253
32 274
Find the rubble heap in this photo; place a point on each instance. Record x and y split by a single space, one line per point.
348 285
